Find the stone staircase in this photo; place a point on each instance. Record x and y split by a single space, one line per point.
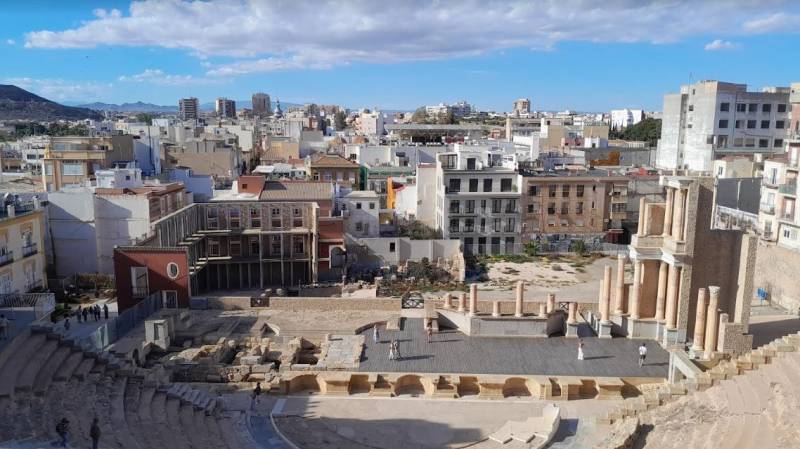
750 402
45 376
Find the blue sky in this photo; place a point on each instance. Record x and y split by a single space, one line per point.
580 55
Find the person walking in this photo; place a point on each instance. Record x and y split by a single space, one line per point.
96 310
66 323
4 324
397 349
94 433
642 354
580 349
256 396
375 333
78 313
105 310
62 429
85 312
429 331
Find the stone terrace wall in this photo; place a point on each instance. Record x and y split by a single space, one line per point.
305 303
776 272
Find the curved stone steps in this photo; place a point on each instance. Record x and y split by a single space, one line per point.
133 392
35 364
118 414
66 370
46 375
212 423
85 367
148 432
173 418
158 421
734 396
196 434
228 432
9 372
718 432
748 394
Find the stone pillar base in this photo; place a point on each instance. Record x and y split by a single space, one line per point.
572 330
604 329
697 354
670 338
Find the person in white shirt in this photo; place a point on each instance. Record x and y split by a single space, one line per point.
642 354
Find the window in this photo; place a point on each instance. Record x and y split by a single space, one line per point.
496 206
473 185
777 143
497 224
551 190
551 208
213 247
275 211
579 191
454 225
72 169
763 143
469 225
782 107
234 218
297 222
510 225
359 226
511 206
235 248
483 225
750 143
471 163
212 222
564 208
579 208
780 124
275 247
530 208
691 107
505 185
470 207
276 223
764 124
741 107
739 124
358 205
723 124
751 124
255 217
297 212
487 185
254 246
298 246
392 247
172 270
455 185
533 191
483 205
738 142
724 107
448 161
455 205
752 107
766 107
565 191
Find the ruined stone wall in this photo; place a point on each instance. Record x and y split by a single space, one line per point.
776 272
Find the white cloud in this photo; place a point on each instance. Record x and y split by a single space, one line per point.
62 90
157 76
262 36
773 23
719 44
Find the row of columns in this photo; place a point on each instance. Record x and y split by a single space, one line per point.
674 215
544 307
706 322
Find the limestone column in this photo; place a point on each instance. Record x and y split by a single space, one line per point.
542 309
668 212
447 301
661 294
606 304
633 302
473 299
700 321
462 302
677 220
551 302
573 312
673 283
642 205
518 304
495 308
619 299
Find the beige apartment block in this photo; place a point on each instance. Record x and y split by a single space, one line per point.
73 160
22 259
581 203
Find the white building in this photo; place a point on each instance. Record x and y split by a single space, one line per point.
623 118
436 110
461 109
708 119
522 107
360 210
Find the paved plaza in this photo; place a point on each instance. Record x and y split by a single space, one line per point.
453 352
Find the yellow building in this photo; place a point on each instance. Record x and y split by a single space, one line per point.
73 160
22 258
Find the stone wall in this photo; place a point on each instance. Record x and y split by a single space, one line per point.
775 272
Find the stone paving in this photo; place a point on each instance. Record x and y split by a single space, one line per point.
453 352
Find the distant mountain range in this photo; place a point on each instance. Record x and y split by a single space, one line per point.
19 104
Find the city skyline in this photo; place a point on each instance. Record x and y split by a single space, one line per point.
395 56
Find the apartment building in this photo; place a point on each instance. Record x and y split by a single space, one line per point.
361 211
225 108
87 222
477 199
573 204
73 160
522 106
217 155
189 108
279 234
708 119
262 106
335 168
22 258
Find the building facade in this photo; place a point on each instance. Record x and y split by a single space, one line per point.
225 108
623 118
22 250
188 108
262 106
73 160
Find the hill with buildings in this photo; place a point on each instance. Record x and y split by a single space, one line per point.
19 104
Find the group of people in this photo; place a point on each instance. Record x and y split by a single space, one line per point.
642 352
95 311
394 344
63 431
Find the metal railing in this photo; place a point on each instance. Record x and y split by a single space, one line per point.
789 188
6 258
139 292
115 328
767 208
30 250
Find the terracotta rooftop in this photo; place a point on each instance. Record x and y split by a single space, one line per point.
333 160
297 190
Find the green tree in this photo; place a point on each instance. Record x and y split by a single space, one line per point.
446 118
340 120
648 130
420 116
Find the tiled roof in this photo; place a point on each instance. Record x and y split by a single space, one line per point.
297 190
333 160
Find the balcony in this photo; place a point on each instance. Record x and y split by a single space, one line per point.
787 216
6 258
789 188
768 209
33 285
30 250
139 292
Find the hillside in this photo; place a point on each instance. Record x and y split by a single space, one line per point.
19 104
130 107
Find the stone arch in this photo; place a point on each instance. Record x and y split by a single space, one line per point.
516 386
409 384
304 383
